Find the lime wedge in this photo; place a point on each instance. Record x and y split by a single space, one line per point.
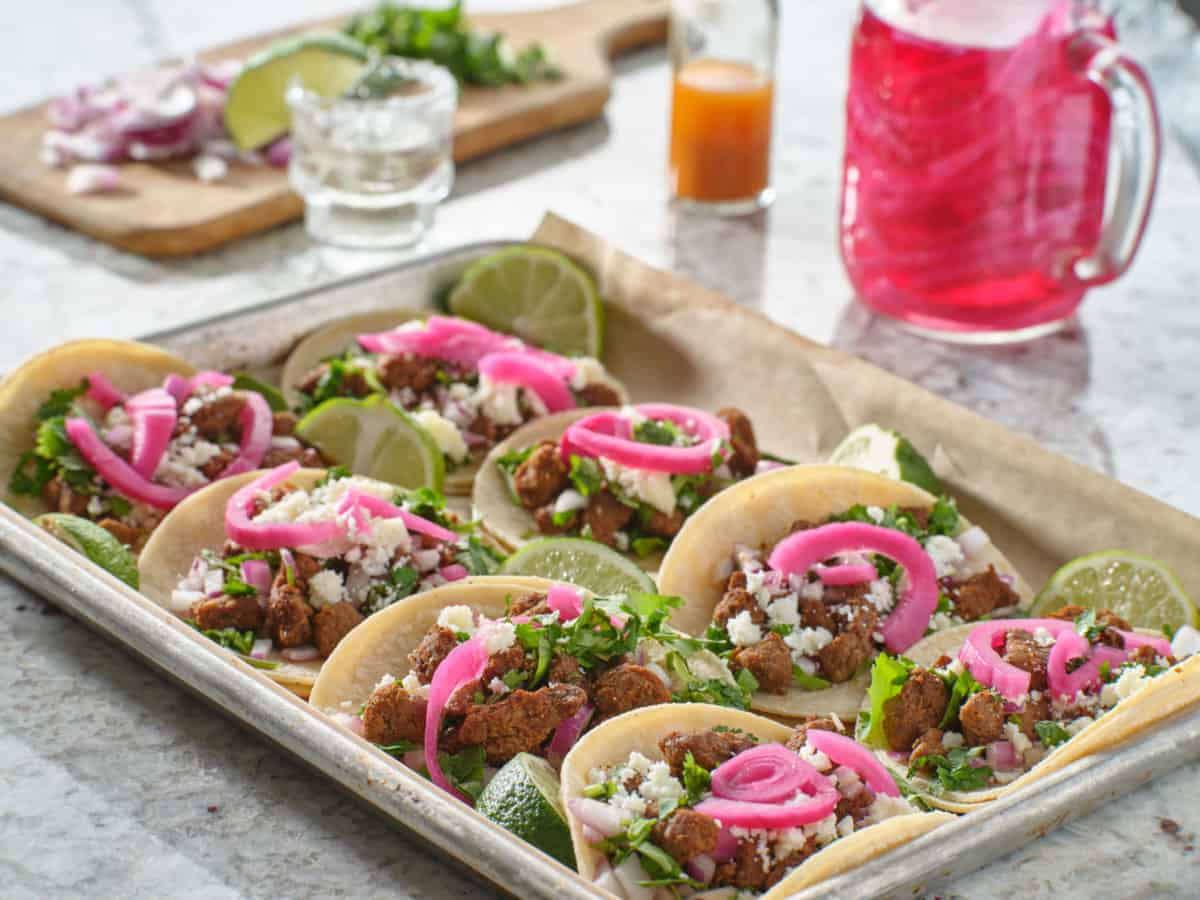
372 437
523 798
1137 588
600 569
256 112
887 453
537 294
93 542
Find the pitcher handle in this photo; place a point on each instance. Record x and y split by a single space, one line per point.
1133 170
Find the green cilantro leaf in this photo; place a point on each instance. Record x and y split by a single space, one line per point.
1051 734
585 474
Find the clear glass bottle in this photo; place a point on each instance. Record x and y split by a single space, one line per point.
723 65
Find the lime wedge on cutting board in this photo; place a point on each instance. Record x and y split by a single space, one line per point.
373 437
523 798
88 538
587 564
537 294
256 111
885 452
1138 589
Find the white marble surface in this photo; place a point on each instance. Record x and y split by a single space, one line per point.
113 782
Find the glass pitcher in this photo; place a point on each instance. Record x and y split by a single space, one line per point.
987 182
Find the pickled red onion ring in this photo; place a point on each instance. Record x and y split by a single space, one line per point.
745 814
381 509
464 663
840 575
454 572
769 773
609 435
240 529
153 415
177 387
531 373
906 624
853 755
979 653
442 337
1072 645
257 423
117 472
103 391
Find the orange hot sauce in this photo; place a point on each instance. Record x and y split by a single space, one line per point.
720 131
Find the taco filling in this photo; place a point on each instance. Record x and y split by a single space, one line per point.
124 461
721 809
1016 691
630 478
814 610
301 568
479 691
468 386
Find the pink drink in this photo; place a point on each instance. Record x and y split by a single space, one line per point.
974 176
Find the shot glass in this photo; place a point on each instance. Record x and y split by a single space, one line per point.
373 165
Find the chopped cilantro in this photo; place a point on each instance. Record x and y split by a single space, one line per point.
806 682
514 678
61 401
645 546
333 473
888 675
401 582
943 518
229 638
1051 734
1168 632
961 687
235 587
953 770
696 779
747 682
652 431
513 458
464 769
585 474
260 663
1086 625
1106 671
601 791
478 558
399 748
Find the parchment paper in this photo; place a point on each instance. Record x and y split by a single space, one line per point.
669 339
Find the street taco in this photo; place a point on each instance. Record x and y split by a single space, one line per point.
713 802
627 477
802 575
465 677
467 385
969 714
119 433
280 565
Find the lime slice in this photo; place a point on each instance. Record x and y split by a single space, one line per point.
887 453
256 112
1137 588
537 294
523 798
93 542
372 437
600 569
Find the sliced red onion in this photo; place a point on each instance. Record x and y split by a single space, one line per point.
1001 756
262 649
103 392
119 436
93 178
609 435
279 153
702 868
305 653
471 439
351 723
602 818
380 508
464 663
241 529
565 600
288 560
454 572
979 654
116 471
726 847
567 733
257 574
153 416
848 574
847 752
414 759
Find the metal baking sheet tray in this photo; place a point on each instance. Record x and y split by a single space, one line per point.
256 339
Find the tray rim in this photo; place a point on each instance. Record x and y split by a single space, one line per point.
34 559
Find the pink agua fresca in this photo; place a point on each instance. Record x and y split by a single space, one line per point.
977 162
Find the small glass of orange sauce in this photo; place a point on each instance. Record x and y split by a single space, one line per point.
723 60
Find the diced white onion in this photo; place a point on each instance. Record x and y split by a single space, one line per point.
303 653
182 601
973 540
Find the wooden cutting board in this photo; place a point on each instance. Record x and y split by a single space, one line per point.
167 211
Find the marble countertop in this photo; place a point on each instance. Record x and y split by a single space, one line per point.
113 781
